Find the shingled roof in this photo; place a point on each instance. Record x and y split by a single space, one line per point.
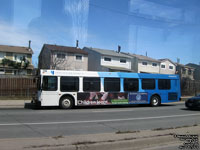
16 49
107 52
64 49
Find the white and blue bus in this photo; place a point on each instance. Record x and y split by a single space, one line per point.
67 89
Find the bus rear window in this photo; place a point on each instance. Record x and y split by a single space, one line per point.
164 84
148 84
69 84
112 84
91 84
130 84
49 83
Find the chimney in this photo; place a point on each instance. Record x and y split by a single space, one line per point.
146 54
77 43
119 48
29 44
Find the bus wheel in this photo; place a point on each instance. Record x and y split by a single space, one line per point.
155 100
66 102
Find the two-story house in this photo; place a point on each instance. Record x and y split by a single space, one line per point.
184 71
63 58
196 71
16 60
107 60
167 66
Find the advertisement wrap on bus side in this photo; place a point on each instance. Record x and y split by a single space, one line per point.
106 98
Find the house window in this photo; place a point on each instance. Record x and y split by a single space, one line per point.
79 57
154 64
122 60
107 59
162 66
144 63
171 67
60 55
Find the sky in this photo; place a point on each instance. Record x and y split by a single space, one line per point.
159 28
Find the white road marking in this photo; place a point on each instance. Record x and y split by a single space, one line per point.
96 121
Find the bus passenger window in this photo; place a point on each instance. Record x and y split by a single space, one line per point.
148 84
130 84
112 84
69 84
91 84
49 83
164 84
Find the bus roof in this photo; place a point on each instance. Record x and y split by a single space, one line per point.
105 74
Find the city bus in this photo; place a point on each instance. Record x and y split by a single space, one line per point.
67 89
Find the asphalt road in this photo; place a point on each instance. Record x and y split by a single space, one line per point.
53 122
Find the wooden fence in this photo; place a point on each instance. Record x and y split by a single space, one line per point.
17 87
190 87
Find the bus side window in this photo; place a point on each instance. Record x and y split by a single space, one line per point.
49 83
148 84
91 84
112 84
164 84
131 84
69 84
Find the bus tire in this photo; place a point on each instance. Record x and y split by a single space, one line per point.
66 102
155 101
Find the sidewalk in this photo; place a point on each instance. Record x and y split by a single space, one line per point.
126 140
13 103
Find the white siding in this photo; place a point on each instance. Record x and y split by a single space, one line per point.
167 69
148 68
115 62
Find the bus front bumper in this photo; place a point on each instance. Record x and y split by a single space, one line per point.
35 102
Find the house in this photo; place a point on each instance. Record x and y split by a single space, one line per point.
144 64
63 58
167 66
196 71
107 60
16 60
185 72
